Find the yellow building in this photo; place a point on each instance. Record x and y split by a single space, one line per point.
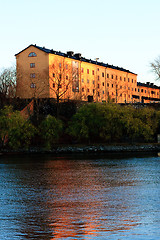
45 73
148 92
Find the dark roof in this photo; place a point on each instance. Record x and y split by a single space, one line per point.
148 84
76 57
40 48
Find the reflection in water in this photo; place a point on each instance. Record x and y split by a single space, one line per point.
77 198
82 199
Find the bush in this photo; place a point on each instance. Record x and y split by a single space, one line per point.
14 130
50 131
112 123
86 123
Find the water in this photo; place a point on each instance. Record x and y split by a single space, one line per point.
80 197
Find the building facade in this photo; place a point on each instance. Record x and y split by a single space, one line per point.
45 73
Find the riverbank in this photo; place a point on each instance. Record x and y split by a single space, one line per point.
69 149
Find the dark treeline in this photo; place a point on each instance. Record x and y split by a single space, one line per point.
78 123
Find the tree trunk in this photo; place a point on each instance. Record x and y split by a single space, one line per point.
58 106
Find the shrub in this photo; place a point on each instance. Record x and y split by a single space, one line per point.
15 131
112 122
50 130
86 123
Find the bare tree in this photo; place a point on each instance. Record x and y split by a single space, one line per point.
38 87
155 67
63 80
118 87
31 85
8 83
119 90
38 84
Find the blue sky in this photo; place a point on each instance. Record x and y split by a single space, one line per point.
119 32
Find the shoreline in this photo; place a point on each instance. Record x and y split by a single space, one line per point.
71 149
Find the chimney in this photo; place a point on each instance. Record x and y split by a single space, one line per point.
70 53
78 55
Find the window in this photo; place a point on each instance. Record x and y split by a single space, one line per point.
32 65
60 65
120 78
53 74
132 80
102 74
82 89
120 87
97 69
82 80
87 71
33 85
66 87
128 79
103 84
112 85
124 79
135 89
98 85
98 94
60 76
98 77
138 89
82 70
145 91
66 77
112 76
93 90
87 89
128 88
141 90
107 84
32 54
66 66
103 92
116 77
107 75
92 72
53 85
93 82
32 75
87 80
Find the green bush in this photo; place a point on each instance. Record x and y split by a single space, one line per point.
50 131
112 123
86 123
15 131
93 122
